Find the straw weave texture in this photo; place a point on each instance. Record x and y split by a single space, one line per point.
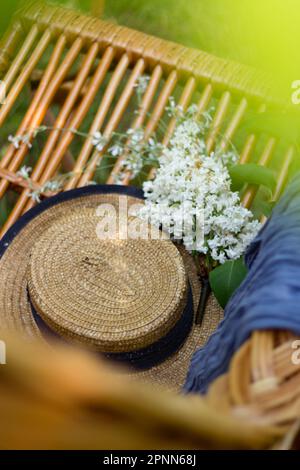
111 295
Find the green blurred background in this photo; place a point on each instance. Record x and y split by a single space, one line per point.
262 33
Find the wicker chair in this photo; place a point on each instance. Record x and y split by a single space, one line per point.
89 59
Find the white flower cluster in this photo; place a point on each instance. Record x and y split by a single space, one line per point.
35 194
137 151
141 85
18 140
192 187
99 141
51 186
25 172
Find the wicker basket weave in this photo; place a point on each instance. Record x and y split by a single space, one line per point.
88 59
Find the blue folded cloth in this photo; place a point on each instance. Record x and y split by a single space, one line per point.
268 298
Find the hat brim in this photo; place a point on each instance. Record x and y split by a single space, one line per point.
15 249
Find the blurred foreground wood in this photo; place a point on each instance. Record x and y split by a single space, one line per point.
63 398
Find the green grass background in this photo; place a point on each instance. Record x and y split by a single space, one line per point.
261 33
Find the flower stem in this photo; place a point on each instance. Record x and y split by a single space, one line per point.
204 296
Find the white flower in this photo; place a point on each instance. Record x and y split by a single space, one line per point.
174 110
17 140
118 178
26 140
139 152
141 84
137 136
191 198
193 110
99 141
25 172
51 186
36 196
116 150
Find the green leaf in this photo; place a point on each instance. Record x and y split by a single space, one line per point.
263 203
252 174
263 208
225 279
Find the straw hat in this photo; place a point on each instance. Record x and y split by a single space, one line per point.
64 275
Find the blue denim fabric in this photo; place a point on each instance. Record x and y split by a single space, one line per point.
268 298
